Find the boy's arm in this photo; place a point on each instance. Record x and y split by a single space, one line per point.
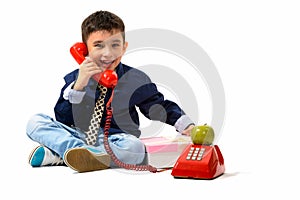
63 110
68 96
155 107
74 96
184 125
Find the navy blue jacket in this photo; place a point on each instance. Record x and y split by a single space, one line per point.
134 90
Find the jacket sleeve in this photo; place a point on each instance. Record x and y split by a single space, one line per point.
63 108
152 103
155 107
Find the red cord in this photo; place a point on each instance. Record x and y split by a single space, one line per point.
109 112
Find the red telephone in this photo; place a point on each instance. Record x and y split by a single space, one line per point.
108 78
199 161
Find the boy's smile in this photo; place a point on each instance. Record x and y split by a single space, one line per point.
106 48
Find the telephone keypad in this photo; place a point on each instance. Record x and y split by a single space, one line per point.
195 153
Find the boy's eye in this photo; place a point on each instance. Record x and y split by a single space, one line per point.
115 45
100 45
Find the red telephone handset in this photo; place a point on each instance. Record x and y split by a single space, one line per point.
108 78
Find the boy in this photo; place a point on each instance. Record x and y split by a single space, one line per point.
71 138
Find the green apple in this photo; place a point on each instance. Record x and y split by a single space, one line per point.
203 135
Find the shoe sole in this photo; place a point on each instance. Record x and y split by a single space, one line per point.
33 160
30 157
82 160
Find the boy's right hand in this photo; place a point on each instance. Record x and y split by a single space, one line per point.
87 69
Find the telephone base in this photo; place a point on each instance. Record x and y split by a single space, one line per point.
199 162
197 178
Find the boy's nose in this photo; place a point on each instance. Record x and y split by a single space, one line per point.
107 52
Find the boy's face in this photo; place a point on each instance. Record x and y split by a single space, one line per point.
106 48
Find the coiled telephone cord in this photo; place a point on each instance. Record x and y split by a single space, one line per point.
109 112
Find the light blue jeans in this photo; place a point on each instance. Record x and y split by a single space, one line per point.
59 138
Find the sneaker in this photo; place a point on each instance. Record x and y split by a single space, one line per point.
85 159
42 156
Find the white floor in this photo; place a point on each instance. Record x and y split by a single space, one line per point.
247 176
63 183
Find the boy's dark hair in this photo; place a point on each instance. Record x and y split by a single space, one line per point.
101 20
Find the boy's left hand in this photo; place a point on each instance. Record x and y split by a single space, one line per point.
188 130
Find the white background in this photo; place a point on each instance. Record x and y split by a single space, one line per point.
255 47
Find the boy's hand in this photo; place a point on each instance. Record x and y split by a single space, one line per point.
188 130
86 70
